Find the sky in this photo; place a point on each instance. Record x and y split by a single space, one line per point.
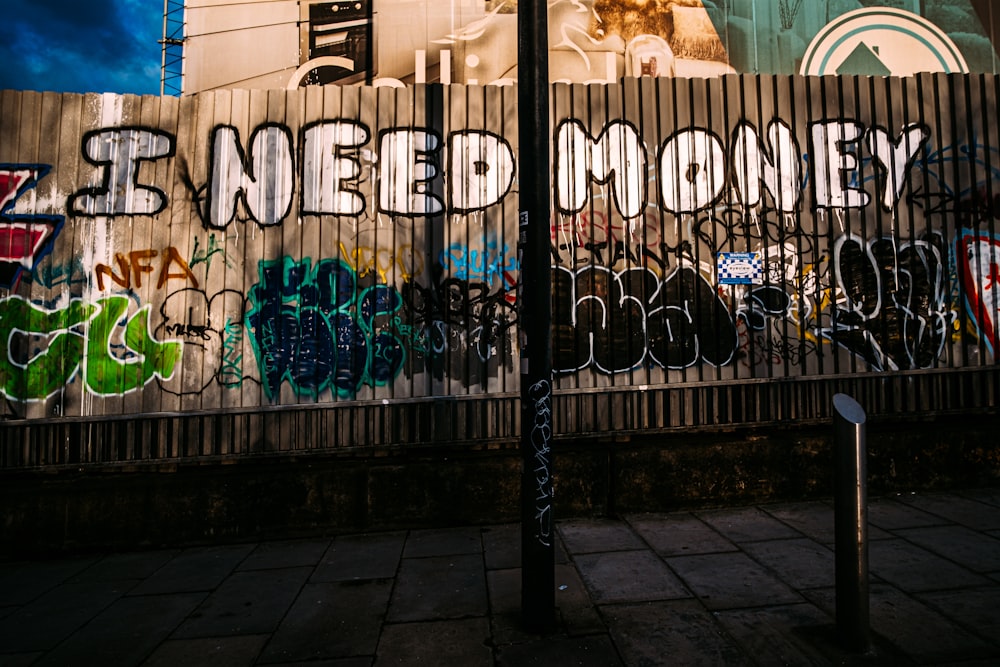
103 46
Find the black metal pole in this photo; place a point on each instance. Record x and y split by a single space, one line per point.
535 317
851 523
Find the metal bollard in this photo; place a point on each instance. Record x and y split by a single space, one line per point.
851 523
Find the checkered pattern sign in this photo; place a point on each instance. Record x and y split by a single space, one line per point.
740 268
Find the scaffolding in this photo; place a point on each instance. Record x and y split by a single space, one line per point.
172 43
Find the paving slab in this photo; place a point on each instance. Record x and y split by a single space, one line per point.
19 659
678 534
592 651
800 563
284 554
577 613
672 632
974 609
964 511
215 651
915 569
814 519
443 542
780 635
891 514
196 569
365 661
988 495
731 580
246 603
438 588
125 633
747 524
457 643
57 614
502 546
628 576
581 536
504 587
331 620
912 627
21 582
351 557
969 548
135 565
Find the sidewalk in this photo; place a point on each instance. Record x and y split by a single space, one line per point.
740 586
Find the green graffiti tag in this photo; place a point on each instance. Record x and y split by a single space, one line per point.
204 255
80 333
52 368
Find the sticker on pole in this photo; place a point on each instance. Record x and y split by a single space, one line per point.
740 268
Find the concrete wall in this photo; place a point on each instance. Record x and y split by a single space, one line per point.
250 498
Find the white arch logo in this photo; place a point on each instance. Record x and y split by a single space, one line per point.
881 40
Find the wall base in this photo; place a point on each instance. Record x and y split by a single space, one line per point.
251 498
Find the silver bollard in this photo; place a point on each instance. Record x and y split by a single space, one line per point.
851 523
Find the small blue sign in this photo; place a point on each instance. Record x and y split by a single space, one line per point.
740 268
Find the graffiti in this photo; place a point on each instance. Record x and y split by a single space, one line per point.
260 179
213 342
540 396
692 165
462 316
488 265
979 267
766 322
204 255
618 321
131 268
895 315
231 372
404 260
377 254
119 153
616 156
42 350
52 274
837 160
315 328
24 238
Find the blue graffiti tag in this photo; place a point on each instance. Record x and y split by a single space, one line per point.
314 327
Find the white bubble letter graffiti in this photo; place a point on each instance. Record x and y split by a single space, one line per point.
897 157
692 170
405 173
330 165
832 161
119 152
263 178
777 170
618 156
481 170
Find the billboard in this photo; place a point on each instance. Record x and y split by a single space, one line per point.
290 43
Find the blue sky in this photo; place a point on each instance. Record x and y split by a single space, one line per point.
81 45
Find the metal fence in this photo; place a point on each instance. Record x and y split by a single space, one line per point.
252 272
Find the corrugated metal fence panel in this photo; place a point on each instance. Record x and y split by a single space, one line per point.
246 272
247 249
791 227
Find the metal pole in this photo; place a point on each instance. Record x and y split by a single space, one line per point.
851 523
535 318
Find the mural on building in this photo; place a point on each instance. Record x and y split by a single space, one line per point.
289 43
257 248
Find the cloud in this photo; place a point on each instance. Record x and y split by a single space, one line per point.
72 46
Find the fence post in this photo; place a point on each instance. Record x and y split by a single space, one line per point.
851 523
535 318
